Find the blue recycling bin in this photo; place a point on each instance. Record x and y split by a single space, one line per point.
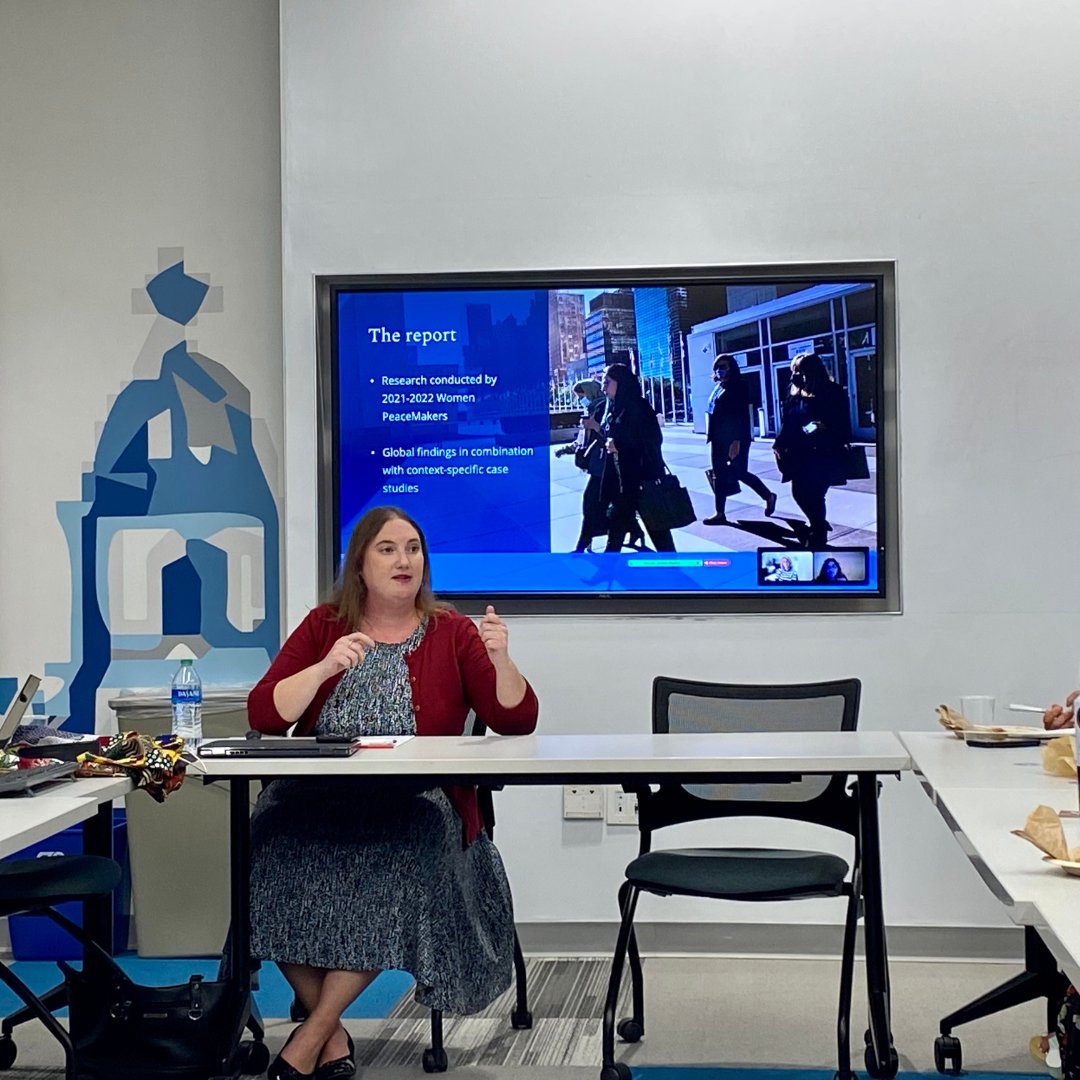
37 937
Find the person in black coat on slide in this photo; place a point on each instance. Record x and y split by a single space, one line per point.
728 436
589 454
809 449
633 455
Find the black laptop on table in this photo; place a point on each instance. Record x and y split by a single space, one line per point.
257 745
20 781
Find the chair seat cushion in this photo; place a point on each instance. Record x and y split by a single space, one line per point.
26 883
739 873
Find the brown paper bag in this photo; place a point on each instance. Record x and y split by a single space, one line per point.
952 720
1059 757
1043 829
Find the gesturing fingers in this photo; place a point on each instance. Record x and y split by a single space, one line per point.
493 632
350 650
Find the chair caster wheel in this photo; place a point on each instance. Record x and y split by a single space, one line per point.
254 1058
521 1020
948 1057
618 1071
434 1061
8 1052
297 1013
882 1070
630 1030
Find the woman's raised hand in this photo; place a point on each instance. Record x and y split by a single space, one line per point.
348 651
494 635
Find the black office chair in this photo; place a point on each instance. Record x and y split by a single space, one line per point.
434 1057
1041 978
33 886
757 874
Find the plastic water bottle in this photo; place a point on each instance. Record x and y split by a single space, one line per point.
187 702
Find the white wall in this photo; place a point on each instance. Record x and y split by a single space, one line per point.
127 127
454 136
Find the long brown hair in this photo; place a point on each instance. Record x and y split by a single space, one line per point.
815 374
350 593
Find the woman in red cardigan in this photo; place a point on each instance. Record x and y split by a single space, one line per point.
350 877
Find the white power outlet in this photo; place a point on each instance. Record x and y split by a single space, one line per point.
621 807
583 801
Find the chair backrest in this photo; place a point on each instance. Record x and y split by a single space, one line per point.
687 706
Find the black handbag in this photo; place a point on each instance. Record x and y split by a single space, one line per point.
124 1031
665 504
726 479
853 462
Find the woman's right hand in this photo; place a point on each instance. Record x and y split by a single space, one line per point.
348 651
589 424
1057 716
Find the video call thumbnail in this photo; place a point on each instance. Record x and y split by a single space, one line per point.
836 566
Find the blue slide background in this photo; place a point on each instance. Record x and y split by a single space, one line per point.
501 336
490 530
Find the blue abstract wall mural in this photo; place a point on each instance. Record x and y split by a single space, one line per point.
174 543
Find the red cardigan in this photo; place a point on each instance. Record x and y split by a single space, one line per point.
450 672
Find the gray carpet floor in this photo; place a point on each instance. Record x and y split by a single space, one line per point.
730 1011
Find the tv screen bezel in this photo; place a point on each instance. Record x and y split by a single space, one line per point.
887 600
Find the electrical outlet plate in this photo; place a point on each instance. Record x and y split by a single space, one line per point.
621 807
583 801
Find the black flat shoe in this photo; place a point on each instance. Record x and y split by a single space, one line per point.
280 1069
342 1068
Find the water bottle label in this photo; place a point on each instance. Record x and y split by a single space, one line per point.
186 695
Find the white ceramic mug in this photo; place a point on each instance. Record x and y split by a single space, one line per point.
978 708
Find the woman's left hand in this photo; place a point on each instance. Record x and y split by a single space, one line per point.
494 635
733 450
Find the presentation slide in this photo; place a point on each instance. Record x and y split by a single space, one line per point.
465 408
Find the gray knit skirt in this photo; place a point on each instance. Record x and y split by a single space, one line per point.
355 875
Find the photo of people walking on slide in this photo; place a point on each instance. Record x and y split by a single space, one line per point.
807 466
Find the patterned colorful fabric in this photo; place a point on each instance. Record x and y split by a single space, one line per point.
154 762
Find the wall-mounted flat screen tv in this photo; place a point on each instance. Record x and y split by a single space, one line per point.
648 440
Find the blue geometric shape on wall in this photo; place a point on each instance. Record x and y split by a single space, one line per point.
181 598
177 295
135 457
7 692
191 491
